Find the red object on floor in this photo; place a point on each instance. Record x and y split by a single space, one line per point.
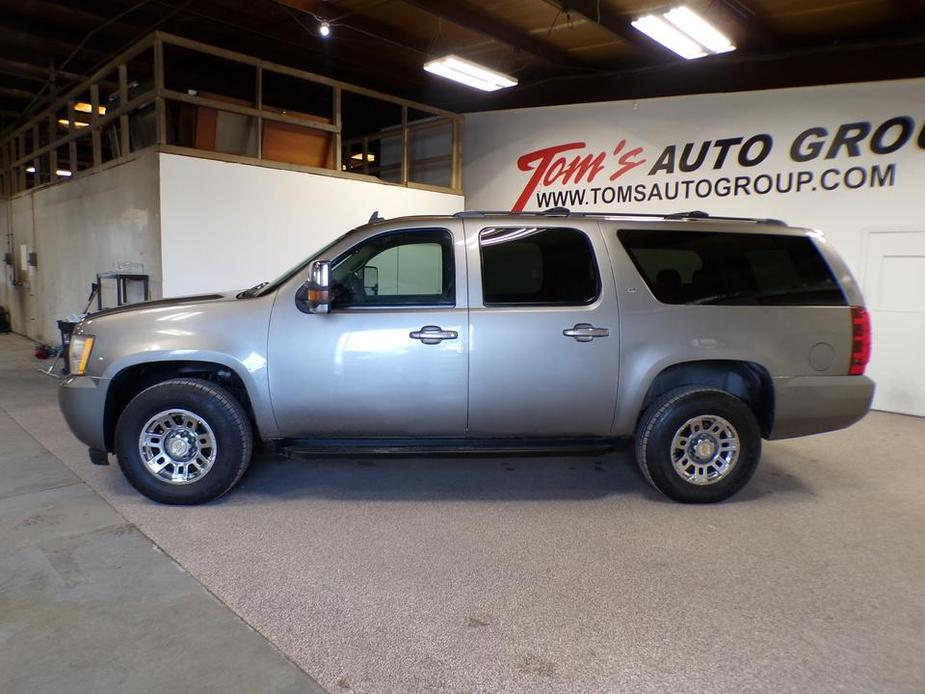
41 352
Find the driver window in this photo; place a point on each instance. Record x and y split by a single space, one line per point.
406 268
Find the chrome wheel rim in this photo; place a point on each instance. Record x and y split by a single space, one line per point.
705 449
177 446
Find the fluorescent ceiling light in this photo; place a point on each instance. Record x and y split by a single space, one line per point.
685 32
663 32
62 172
471 74
84 107
699 29
77 123
30 169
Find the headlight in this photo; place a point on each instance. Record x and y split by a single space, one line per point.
79 354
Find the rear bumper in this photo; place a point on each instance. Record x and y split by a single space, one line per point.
82 400
815 404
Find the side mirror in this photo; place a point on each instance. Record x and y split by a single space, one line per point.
318 286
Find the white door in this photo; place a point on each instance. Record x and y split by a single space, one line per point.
894 288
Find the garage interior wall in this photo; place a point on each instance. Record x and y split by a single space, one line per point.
229 226
194 225
857 174
103 222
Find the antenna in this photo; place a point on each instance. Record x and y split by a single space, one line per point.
375 217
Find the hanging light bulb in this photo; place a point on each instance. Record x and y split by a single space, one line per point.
324 29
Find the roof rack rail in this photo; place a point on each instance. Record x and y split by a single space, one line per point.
565 212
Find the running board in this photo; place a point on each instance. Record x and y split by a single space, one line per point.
443 447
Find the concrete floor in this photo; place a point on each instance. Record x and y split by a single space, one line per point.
552 575
87 603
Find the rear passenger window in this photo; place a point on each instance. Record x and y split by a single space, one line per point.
537 266
697 267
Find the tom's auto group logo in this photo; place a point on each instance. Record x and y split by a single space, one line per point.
572 175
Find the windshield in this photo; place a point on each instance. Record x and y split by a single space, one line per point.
289 274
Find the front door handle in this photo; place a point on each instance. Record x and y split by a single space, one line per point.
433 335
585 332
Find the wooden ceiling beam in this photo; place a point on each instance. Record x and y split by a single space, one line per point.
756 30
351 59
23 38
15 93
36 73
73 16
908 12
358 23
618 25
467 15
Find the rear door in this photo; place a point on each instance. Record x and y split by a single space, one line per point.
544 330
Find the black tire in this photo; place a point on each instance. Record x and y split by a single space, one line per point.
666 417
213 405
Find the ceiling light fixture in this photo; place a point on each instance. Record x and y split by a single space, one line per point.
30 169
466 72
84 107
699 29
324 29
685 32
62 172
77 123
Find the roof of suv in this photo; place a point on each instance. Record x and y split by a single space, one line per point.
693 215
563 212
677 219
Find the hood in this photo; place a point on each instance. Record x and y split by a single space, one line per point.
160 303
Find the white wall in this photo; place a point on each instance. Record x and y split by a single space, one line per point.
229 226
78 228
495 175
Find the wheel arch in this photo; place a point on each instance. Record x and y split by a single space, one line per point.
132 379
747 380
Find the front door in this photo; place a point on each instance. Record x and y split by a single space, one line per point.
544 340
390 359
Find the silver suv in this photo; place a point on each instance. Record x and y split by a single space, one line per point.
494 333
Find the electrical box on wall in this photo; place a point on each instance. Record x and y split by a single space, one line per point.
33 259
8 258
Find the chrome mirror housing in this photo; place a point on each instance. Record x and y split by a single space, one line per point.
318 287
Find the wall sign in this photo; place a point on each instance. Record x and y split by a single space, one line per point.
572 175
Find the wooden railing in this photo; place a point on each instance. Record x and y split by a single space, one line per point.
140 112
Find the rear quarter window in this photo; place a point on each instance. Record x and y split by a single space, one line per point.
721 268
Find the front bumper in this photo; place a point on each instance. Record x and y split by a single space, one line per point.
82 400
814 404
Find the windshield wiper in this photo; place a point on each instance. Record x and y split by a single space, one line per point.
247 293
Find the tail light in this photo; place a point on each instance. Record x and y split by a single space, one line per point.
860 340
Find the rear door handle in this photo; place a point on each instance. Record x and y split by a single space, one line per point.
585 332
433 335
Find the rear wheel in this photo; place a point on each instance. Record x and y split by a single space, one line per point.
698 445
183 441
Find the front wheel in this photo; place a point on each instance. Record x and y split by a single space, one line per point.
698 445
183 441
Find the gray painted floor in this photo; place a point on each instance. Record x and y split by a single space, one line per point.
558 575
87 603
